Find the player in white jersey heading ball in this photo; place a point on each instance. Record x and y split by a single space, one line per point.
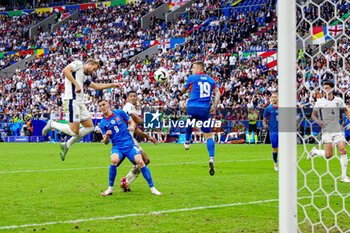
76 111
130 109
328 109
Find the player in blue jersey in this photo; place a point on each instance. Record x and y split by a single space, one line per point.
346 126
271 114
116 126
198 106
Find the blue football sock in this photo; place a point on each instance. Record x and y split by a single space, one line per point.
147 174
274 156
112 174
189 130
211 147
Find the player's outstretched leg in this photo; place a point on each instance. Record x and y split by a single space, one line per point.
47 128
344 168
146 174
59 126
274 155
130 178
134 173
315 152
211 150
189 130
343 162
274 142
65 128
88 127
112 174
66 145
63 150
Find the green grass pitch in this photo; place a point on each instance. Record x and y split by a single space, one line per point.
38 188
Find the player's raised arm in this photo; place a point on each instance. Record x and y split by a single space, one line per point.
266 114
131 123
187 84
144 135
137 119
68 73
101 86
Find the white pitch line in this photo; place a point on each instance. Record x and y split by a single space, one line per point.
137 214
149 213
159 164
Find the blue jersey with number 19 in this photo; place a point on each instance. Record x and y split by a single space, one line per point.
117 123
202 87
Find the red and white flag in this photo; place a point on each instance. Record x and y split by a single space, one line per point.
270 57
335 30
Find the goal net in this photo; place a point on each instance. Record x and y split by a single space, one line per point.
322 51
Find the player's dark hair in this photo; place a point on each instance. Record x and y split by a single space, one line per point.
274 92
132 92
329 83
101 100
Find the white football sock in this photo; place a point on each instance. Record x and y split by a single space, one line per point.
219 137
82 132
320 153
343 164
165 138
63 128
132 175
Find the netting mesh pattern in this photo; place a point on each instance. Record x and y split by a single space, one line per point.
323 45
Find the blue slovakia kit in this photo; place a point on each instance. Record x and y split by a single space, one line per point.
198 105
123 144
271 113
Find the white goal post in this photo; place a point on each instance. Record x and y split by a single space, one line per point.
287 116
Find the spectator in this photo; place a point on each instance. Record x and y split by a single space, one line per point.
7 130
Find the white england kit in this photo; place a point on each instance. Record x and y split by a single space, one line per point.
329 114
74 102
129 108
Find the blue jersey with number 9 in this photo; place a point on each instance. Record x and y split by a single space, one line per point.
202 87
117 123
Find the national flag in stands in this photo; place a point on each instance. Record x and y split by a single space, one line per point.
335 30
319 35
163 44
270 57
153 43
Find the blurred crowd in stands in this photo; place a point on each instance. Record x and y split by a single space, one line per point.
114 35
